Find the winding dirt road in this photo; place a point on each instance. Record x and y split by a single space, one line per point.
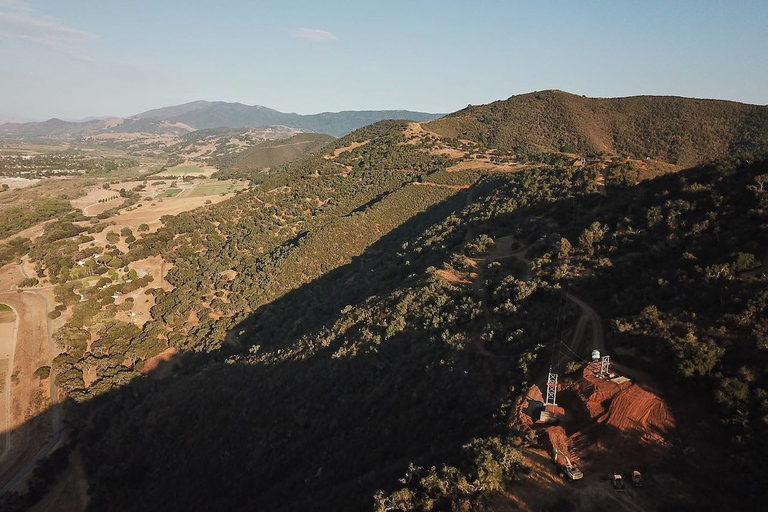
588 316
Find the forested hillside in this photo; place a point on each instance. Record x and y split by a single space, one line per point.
683 131
272 154
356 331
383 362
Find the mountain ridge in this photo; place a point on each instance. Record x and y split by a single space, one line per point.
684 131
201 115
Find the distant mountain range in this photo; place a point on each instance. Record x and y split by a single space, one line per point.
205 114
200 115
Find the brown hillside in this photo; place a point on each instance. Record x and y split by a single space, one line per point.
274 153
682 131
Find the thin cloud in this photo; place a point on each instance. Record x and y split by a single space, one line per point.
313 34
26 27
16 5
18 22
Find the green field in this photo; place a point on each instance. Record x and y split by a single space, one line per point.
212 189
171 192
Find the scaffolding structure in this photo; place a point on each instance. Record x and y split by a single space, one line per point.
605 367
551 389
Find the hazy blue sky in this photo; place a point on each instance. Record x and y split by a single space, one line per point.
77 58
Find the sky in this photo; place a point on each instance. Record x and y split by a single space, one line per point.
78 58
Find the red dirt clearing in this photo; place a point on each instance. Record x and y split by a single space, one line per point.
454 276
606 423
154 362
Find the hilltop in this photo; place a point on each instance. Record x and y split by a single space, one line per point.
682 131
279 152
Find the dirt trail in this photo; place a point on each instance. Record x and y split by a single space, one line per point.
590 316
344 149
441 185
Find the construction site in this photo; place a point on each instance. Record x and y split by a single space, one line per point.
603 433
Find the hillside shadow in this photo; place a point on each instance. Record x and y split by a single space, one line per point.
377 271
320 429
314 431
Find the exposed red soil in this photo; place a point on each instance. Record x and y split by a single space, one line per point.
605 423
605 427
153 363
454 276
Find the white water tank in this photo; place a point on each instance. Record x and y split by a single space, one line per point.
595 355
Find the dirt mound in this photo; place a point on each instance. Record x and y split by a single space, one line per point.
556 439
637 424
594 393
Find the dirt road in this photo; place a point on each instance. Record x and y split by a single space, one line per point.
34 347
9 326
588 316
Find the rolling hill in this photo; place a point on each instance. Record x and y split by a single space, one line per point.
70 130
279 152
682 131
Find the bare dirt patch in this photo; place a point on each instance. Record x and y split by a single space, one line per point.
159 366
10 275
484 165
417 130
8 329
92 197
350 147
150 215
32 232
14 182
454 276
229 274
441 185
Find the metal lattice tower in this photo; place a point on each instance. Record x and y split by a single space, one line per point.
605 366
551 389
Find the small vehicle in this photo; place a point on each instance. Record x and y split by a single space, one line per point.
617 482
637 479
567 468
572 472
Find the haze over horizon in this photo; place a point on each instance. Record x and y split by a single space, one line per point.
74 60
